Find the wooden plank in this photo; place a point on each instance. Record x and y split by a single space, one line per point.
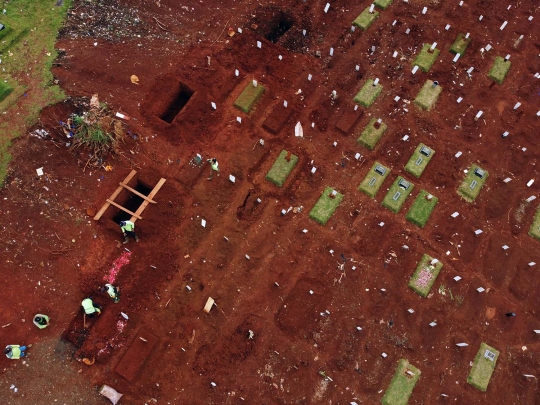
137 193
209 304
146 202
123 209
114 195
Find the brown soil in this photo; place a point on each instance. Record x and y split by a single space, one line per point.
268 338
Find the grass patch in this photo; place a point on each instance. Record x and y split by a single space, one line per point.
368 94
426 58
5 90
38 23
460 44
325 207
383 4
499 70
402 384
365 19
398 193
372 133
374 179
473 183
425 275
248 97
419 160
483 367
421 209
428 95
534 231
282 168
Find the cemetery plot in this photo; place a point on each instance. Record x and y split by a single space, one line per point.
348 119
398 193
534 230
460 44
365 19
281 168
499 70
402 384
483 367
249 97
372 133
5 90
369 93
325 207
427 57
428 95
473 183
419 160
277 118
421 209
425 275
374 179
383 4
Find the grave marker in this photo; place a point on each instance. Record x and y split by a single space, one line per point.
326 8
213 105
203 223
232 178
462 344
259 44
457 278
480 289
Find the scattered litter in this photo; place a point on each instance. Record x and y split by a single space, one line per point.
39 171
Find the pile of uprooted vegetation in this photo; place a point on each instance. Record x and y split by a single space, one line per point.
95 131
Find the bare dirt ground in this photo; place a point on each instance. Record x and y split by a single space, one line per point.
54 254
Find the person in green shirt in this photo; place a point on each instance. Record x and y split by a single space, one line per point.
114 292
41 321
214 167
128 229
90 308
15 352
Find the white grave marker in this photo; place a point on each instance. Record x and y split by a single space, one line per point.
280 57
410 311
415 69
531 264
518 104
459 100
507 180
384 355
478 231
478 115
254 83
531 198
503 25
424 10
459 154
462 344
232 178
236 72
406 137
331 51
326 8
530 182
213 105
447 27
432 324
203 223
480 289
309 76
455 214
397 98
357 156
313 170
505 247
456 58
285 103
239 119
259 44
457 278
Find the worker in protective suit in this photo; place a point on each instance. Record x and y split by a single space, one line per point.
214 167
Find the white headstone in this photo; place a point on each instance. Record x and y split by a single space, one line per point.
455 214
261 141
447 27
304 32
372 8
531 198
480 289
407 31
305 231
518 104
309 76
326 8
313 170
236 72
247 257
532 264
280 57
478 231
406 137
410 311
433 46
239 30
395 54
376 81
259 44
397 98
384 355
507 180
424 10
456 58
239 119
503 25
462 344
381 224
331 51
488 47
357 156
254 83
459 100
203 223
213 105
432 324
478 114
505 247
232 178
415 69
457 278
285 103
480 18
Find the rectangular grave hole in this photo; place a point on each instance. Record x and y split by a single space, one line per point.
278 26
178 102
418 161
372 182
132 203
380 170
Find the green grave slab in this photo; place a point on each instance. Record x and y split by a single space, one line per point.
325 206
419 160
374 179
472 183
397 195
402 384
368 94
365 19
372 133
499 70
421 209
383 4
281 168
428 95
460 44
426 58
249 97
424 277
483 367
